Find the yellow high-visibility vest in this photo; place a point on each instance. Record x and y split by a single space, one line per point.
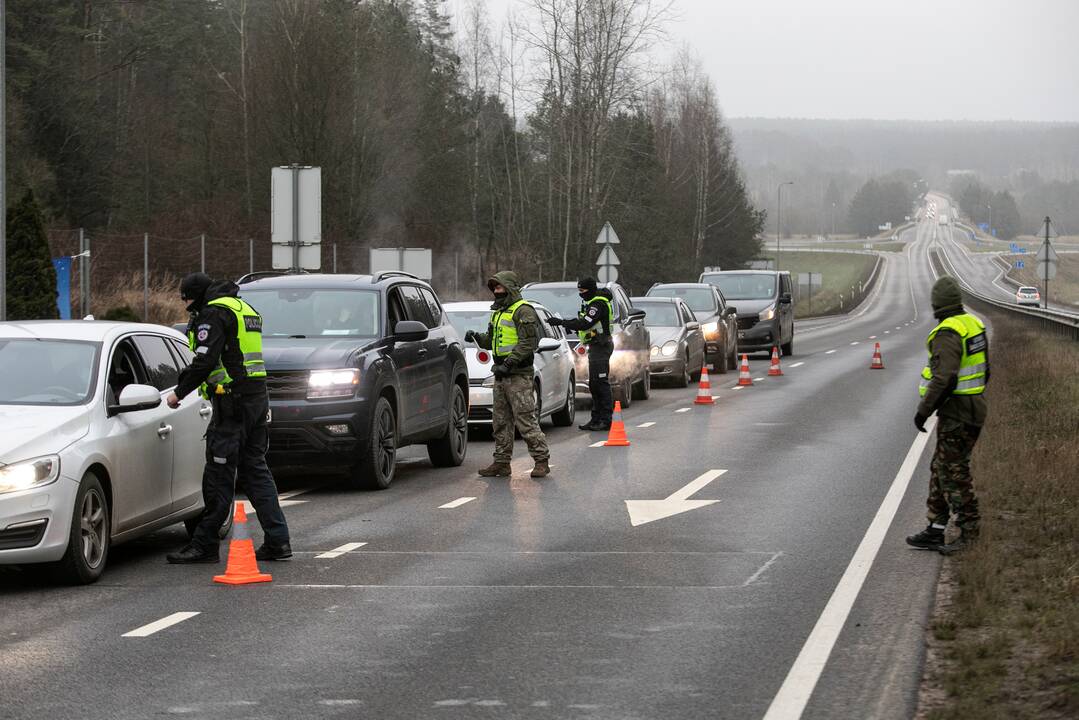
974 366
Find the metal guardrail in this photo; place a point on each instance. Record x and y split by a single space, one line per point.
1053 321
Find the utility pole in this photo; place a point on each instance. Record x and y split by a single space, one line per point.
779 215
3 164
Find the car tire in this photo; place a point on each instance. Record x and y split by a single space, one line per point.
89 538
375 470
642 389
788 348
624 394
682 379
450 449
222 532
731 360
568 413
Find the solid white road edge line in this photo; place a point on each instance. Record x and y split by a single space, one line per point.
794 694
339 551
456 503
147 630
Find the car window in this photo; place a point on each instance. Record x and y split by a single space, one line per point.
687 316
720 300
39 371
395 310
433 305
161 368
311 312
183 354
416 306
785 284
545 330
621 304
125 369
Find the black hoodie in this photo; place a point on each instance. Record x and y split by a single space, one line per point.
593 312
216 337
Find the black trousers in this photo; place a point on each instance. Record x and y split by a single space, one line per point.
236 444
599 381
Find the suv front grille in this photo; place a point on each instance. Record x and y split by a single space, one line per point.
287 385
745 323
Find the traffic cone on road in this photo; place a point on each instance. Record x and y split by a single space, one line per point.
878 361
617 436
744 378
775 369
704 390
242 567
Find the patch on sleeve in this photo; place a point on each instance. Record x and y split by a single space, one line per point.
202 335
976 344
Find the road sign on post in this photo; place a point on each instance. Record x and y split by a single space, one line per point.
1047 262
607 273
608 259
415 261
296 217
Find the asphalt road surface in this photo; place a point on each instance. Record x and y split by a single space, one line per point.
516 598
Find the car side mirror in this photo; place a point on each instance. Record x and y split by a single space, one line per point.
548 344
135 398
785 299
635 314
693 325
730 310
410 331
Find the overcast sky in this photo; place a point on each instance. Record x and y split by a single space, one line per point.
903 59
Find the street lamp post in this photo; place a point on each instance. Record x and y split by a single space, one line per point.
779 215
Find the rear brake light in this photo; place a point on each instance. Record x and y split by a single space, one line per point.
483 356
581 350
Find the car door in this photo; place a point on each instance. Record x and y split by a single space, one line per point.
140 445
635 335
190 422
438 343
552 366
786 309
430 395
406 359
694 338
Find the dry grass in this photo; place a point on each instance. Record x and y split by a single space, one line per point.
1063 288
1005 642
165 306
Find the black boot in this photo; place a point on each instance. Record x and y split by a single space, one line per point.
596 426
267 551
192 554
929 539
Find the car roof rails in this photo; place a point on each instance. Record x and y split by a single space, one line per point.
251 276
395 273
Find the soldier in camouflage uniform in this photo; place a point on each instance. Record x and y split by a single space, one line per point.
953 386
513 338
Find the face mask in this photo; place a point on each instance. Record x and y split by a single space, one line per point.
501 295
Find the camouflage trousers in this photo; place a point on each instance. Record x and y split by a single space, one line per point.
515 406
951 488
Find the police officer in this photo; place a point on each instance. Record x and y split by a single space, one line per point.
225 333
953 385
593 327
513 338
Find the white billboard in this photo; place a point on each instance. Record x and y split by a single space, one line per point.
415 261
284 223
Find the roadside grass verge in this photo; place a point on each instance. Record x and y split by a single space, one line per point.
165 306
1004 641
1064 288
841 273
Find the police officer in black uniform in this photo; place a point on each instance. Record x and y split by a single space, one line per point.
593 324
228 368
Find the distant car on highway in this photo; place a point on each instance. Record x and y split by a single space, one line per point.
357 367
719 321
90 455
765 307
678 350
555 372
1028 296
630 374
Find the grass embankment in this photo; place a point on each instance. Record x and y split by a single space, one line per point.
126 291
1064 288
1004 642
840 272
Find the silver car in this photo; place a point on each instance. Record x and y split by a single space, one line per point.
678 346
90 455
554 367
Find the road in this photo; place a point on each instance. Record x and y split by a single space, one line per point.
540 599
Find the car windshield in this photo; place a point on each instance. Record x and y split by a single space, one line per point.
659 314
561 301
698 299
747 286
313 312
465 320
47 372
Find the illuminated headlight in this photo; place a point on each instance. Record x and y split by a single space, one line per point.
710 329
768 313
489 382
29 474
654 352
332 383
670 348
338 429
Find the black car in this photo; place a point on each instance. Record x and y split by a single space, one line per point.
765 307
357 367
719 321
630 375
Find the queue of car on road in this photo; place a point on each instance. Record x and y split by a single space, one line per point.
358 367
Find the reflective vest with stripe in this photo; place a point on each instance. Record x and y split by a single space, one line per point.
504 330
588 335
249 339
975 361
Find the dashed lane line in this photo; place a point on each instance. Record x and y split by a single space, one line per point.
829 352
601 443
159 625
646 425
874 337
854 343
760 379
456 503
683 410
797 364
339 551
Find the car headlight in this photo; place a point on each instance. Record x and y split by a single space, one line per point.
29 473
654 351
768 313
710 330
669 349
332 383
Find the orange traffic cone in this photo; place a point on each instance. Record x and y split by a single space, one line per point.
242 567
617 436
775 369
704 390
878 361
744 378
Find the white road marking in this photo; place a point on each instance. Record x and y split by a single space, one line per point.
645 511
646 425
887 332
338 552
601 443
737 387
829 352
797 364
683 410
760 379
897 327
761 570
157 626
284 499
854 343
874 337
456 503
794 694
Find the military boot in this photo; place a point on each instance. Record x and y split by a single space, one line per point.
496 469
542 469
966 539
929 539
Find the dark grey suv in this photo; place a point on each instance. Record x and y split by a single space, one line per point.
765 307
357 367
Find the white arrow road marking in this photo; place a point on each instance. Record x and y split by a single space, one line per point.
645 511
456 503
282 499
338 552
158 625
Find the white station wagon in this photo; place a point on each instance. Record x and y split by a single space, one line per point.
90 454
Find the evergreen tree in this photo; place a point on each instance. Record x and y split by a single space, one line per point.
31 293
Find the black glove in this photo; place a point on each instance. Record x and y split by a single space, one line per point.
556 322
501 371
470 336
919 421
